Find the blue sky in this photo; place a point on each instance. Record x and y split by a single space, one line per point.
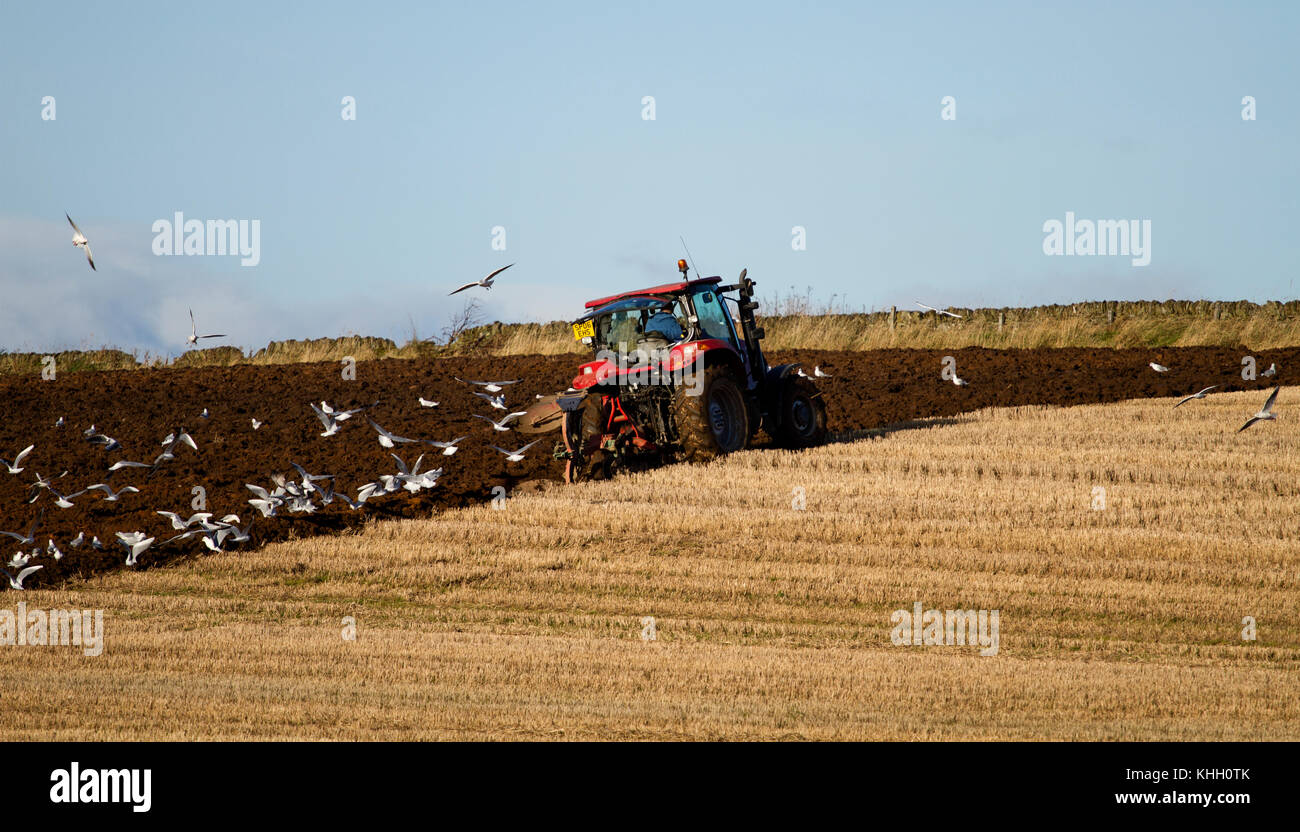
767 116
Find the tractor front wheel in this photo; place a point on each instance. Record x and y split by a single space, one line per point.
713 423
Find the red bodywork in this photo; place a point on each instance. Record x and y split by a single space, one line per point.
666 289
679 356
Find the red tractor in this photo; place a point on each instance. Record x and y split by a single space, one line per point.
679 374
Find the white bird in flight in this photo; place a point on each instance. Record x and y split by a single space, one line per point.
18 460
515 456
960 382
1266 412
498 401
490 386
1159 368
448 448
110 495
17 582
194 332
939 311
386 439
1199 395
501 425
257 424
426 402
486 282
79 239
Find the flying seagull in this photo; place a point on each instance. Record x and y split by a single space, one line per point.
501 425
490 386
18 460
1199 395
109 494
448 448
194 332
387 439
17 582
486 282
1159 368
79 239
515 456
938 311
1266 412
426 402
498 401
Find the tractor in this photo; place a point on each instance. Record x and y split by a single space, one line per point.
678 375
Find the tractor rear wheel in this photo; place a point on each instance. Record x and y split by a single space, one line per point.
713 423
803 414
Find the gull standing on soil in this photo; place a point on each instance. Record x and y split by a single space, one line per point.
1270 372
1159 368
817 373
17 582
1266 412
257 424
501 425
938 311
960 382
78 540
486 282
515 456
194 332
1199 395
79 239
52 550
18 460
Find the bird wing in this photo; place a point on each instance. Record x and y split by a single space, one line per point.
463 288
212 336
1268 405
194 330
1249 422
529 445
1184 400
29 570
18 460
497 272
325 420
89 257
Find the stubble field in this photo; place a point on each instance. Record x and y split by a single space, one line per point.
771 621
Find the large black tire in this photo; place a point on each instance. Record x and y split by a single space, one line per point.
802 414
713 423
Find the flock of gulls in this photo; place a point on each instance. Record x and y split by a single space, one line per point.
1265 413
300 492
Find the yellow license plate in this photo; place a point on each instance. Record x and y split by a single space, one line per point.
586 329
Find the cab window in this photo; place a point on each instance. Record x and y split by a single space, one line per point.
714 319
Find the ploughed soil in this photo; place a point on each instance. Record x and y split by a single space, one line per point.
872 389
